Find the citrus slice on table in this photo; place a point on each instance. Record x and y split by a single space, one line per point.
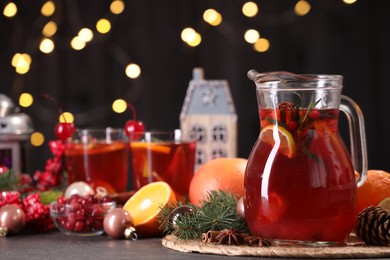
146 204
280 136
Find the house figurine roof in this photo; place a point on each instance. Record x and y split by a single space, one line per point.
207 96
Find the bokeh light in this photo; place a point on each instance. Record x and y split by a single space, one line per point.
250 9
66 117
191 37
212 17
21 62
46 45
117 6
37 139
86 35
26 100
119 106
77 43
10 10
251 35
188 34
103 26
349 1
133 71
302 7
48 8
49 29
261 45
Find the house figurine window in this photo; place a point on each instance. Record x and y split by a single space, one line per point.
198 133
219 133
218 153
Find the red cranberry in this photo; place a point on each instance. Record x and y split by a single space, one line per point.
314 114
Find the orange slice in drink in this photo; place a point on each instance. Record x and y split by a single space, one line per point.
150 146
145 206
280 136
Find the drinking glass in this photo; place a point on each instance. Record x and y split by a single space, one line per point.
99 157
163 156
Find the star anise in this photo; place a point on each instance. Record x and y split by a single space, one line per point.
256 241
229 237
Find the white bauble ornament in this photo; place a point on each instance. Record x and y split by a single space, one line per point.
79 187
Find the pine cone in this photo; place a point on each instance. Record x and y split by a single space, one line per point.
373 226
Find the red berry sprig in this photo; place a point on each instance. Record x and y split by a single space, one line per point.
134 128
62 130
37 214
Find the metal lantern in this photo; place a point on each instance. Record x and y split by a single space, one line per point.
15 131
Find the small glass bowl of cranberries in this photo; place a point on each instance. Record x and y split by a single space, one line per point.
82 216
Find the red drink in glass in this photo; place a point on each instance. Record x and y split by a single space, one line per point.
307 193
99 163
172 162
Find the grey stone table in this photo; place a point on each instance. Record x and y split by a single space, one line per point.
54 245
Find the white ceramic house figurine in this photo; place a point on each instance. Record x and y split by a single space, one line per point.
208 115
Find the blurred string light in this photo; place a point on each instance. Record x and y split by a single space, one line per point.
191 37
26 100
133 71
66 117
117 7
46 45
37 139
119 106
349 1
103 26
10 10
21 62
261 45
49 29
302 8
48 9
212 17
250 9
251 35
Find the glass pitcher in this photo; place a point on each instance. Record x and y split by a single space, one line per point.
300 184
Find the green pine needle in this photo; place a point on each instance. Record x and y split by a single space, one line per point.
9 180
217 212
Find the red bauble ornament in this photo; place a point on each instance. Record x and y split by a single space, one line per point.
12 219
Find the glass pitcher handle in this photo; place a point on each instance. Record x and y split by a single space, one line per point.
357 135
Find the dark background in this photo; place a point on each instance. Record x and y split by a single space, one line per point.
333 38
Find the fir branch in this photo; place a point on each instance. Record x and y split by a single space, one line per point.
9 180
305 121
217 212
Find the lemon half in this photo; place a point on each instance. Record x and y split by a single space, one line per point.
274 134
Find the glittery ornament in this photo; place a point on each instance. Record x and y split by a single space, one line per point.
240 209
12 219
118 223
176 214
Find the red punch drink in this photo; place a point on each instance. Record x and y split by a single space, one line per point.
306 189
159 160
300 185
99 162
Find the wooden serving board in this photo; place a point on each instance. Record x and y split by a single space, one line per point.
353 249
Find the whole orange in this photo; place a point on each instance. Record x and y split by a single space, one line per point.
218 174
374 189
